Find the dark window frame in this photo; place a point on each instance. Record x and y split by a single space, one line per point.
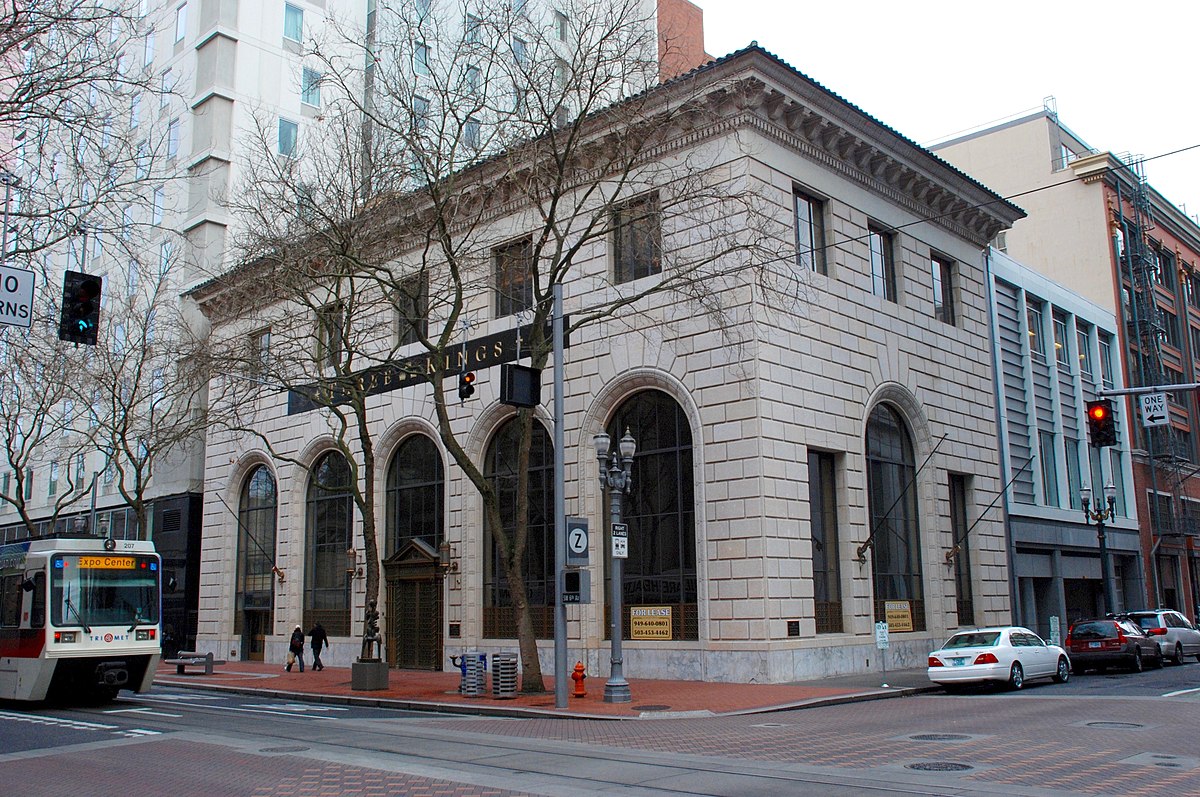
513 270
944 272
882 245
415 494
823 528
809 222
637 238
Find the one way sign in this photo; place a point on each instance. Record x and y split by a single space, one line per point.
1154 409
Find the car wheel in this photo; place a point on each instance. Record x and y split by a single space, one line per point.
1063 673
1177 659
1160 661
1016 677
1137 665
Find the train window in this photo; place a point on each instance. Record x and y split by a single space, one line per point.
37 611
10 601
103 590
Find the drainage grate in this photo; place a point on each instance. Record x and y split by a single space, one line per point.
939 766
296 748
940 737
650 708
1171 766
1115 726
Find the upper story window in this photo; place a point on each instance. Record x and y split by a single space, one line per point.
1061 355
1083 340
520 50
942 271
180 23
472 29
883 262
514 277
412 310
810 232
310 87
1033 318
293 22
421 59
561 25
148 50
331 342
1106 363
260 350
288 131
1165 274
1170 330
173 139
637 239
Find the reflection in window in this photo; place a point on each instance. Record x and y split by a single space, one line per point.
415 494
895 525
329 517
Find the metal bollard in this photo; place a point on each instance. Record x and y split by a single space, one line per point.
504 676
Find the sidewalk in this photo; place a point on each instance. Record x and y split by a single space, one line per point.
438 691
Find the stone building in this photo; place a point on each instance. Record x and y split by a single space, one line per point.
800 474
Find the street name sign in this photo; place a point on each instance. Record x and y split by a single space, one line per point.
16 297
620 541
1154 409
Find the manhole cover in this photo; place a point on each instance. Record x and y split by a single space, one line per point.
939 737
296 748
771 725
1165 764
1117 726
1163 756
650 708
939 766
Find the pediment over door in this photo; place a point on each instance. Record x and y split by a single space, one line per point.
415 559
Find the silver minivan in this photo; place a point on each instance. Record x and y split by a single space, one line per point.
1182 638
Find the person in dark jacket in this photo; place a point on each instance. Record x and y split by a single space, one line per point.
296 649
318 639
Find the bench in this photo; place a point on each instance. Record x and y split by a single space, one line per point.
191 658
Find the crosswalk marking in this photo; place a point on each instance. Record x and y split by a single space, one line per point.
1181 692
60 722
144 711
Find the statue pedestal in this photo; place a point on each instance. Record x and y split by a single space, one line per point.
367 676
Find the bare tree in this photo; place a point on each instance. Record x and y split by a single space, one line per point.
460 175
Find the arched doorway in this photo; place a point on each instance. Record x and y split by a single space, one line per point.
254 598
892 501
415 495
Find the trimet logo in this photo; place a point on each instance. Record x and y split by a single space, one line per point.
109 637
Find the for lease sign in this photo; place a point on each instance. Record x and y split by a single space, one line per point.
650 622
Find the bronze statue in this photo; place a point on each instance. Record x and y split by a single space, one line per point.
372 642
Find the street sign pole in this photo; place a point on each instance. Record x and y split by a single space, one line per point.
560 510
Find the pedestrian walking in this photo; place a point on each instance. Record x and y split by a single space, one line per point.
296 649
318 639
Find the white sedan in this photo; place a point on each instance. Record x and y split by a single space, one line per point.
1005 655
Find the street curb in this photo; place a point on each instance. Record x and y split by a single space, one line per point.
486 710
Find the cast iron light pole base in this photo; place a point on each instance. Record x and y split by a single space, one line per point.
617 692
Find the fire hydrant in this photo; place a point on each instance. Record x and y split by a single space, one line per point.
578 677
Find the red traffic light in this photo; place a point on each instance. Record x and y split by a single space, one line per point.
1101 423
1098 411
468 378
466 384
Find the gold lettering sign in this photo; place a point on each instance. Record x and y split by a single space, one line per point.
650 622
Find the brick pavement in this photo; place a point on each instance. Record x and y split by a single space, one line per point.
178 767
1040 744
421 689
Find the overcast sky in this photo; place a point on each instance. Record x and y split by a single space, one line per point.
1123 82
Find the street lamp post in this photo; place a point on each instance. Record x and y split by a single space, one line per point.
616 475
1099 516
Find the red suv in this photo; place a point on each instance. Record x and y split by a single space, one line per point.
1112 641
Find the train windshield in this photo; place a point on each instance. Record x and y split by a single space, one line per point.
104 589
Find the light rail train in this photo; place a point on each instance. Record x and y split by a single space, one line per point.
79 617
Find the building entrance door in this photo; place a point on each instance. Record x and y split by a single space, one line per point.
414 601
254 633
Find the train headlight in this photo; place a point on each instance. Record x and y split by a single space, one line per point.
146 634
64 636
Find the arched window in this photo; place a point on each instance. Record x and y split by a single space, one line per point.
256 544
330 515
500 466
659 510
415 494
892 498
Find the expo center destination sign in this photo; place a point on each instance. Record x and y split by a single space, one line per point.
476 354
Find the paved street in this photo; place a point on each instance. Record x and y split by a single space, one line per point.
1098 735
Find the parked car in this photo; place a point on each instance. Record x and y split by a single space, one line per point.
1112 642
1180 638
1004 655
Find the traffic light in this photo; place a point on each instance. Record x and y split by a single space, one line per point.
466 385
1101 423
80 320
